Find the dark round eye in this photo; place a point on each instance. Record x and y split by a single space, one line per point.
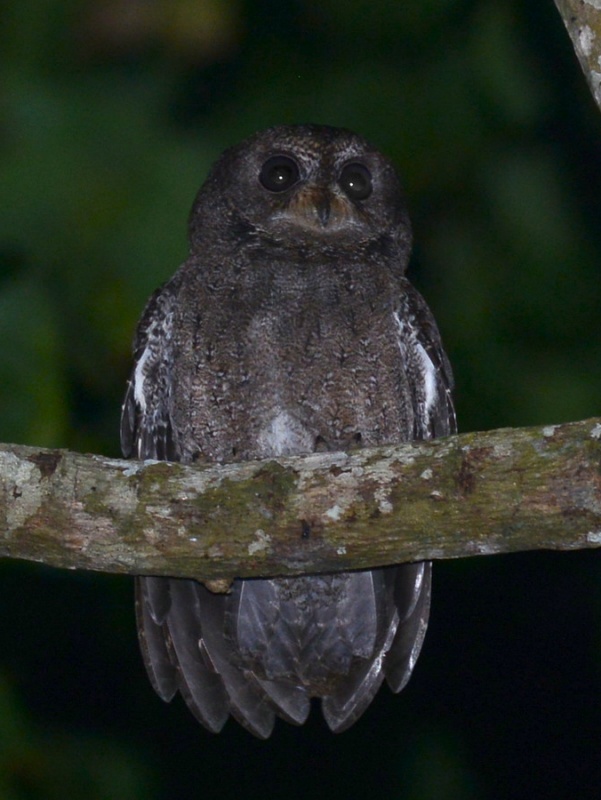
279 173
355 180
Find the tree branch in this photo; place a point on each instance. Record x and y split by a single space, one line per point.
582 19
473 494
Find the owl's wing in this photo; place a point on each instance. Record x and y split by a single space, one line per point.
430 381
402 626
146 430
168 610
426 366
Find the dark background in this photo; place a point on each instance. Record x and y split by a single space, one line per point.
110 115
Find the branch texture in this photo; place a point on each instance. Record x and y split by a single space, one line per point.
473 494
582 19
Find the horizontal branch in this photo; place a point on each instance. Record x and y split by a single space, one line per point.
473 494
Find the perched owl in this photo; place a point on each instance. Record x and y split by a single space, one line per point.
290 328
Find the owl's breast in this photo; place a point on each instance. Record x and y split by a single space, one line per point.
290 380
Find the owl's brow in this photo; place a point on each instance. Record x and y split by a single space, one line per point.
330 156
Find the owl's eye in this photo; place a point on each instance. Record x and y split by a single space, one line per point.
355 181
279 173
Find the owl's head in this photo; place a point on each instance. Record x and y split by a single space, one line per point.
316 187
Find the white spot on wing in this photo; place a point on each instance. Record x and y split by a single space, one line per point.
408 339
139 376
429 377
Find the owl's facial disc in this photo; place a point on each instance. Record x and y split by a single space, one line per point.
320 196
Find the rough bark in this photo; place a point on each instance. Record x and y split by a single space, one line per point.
473 494
582 19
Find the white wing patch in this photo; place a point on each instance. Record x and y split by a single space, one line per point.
145 421
413 351
429 377
139 376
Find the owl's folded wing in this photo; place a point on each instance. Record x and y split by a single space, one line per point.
427 367
146 430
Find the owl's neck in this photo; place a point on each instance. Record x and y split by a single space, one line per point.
255 279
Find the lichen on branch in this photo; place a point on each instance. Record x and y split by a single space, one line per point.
476 493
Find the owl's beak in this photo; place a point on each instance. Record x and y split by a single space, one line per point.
322 207
318 208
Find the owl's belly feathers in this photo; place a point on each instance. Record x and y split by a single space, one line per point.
290 384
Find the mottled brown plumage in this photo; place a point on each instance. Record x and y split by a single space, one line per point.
290 328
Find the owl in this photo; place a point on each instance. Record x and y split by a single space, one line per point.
290 328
